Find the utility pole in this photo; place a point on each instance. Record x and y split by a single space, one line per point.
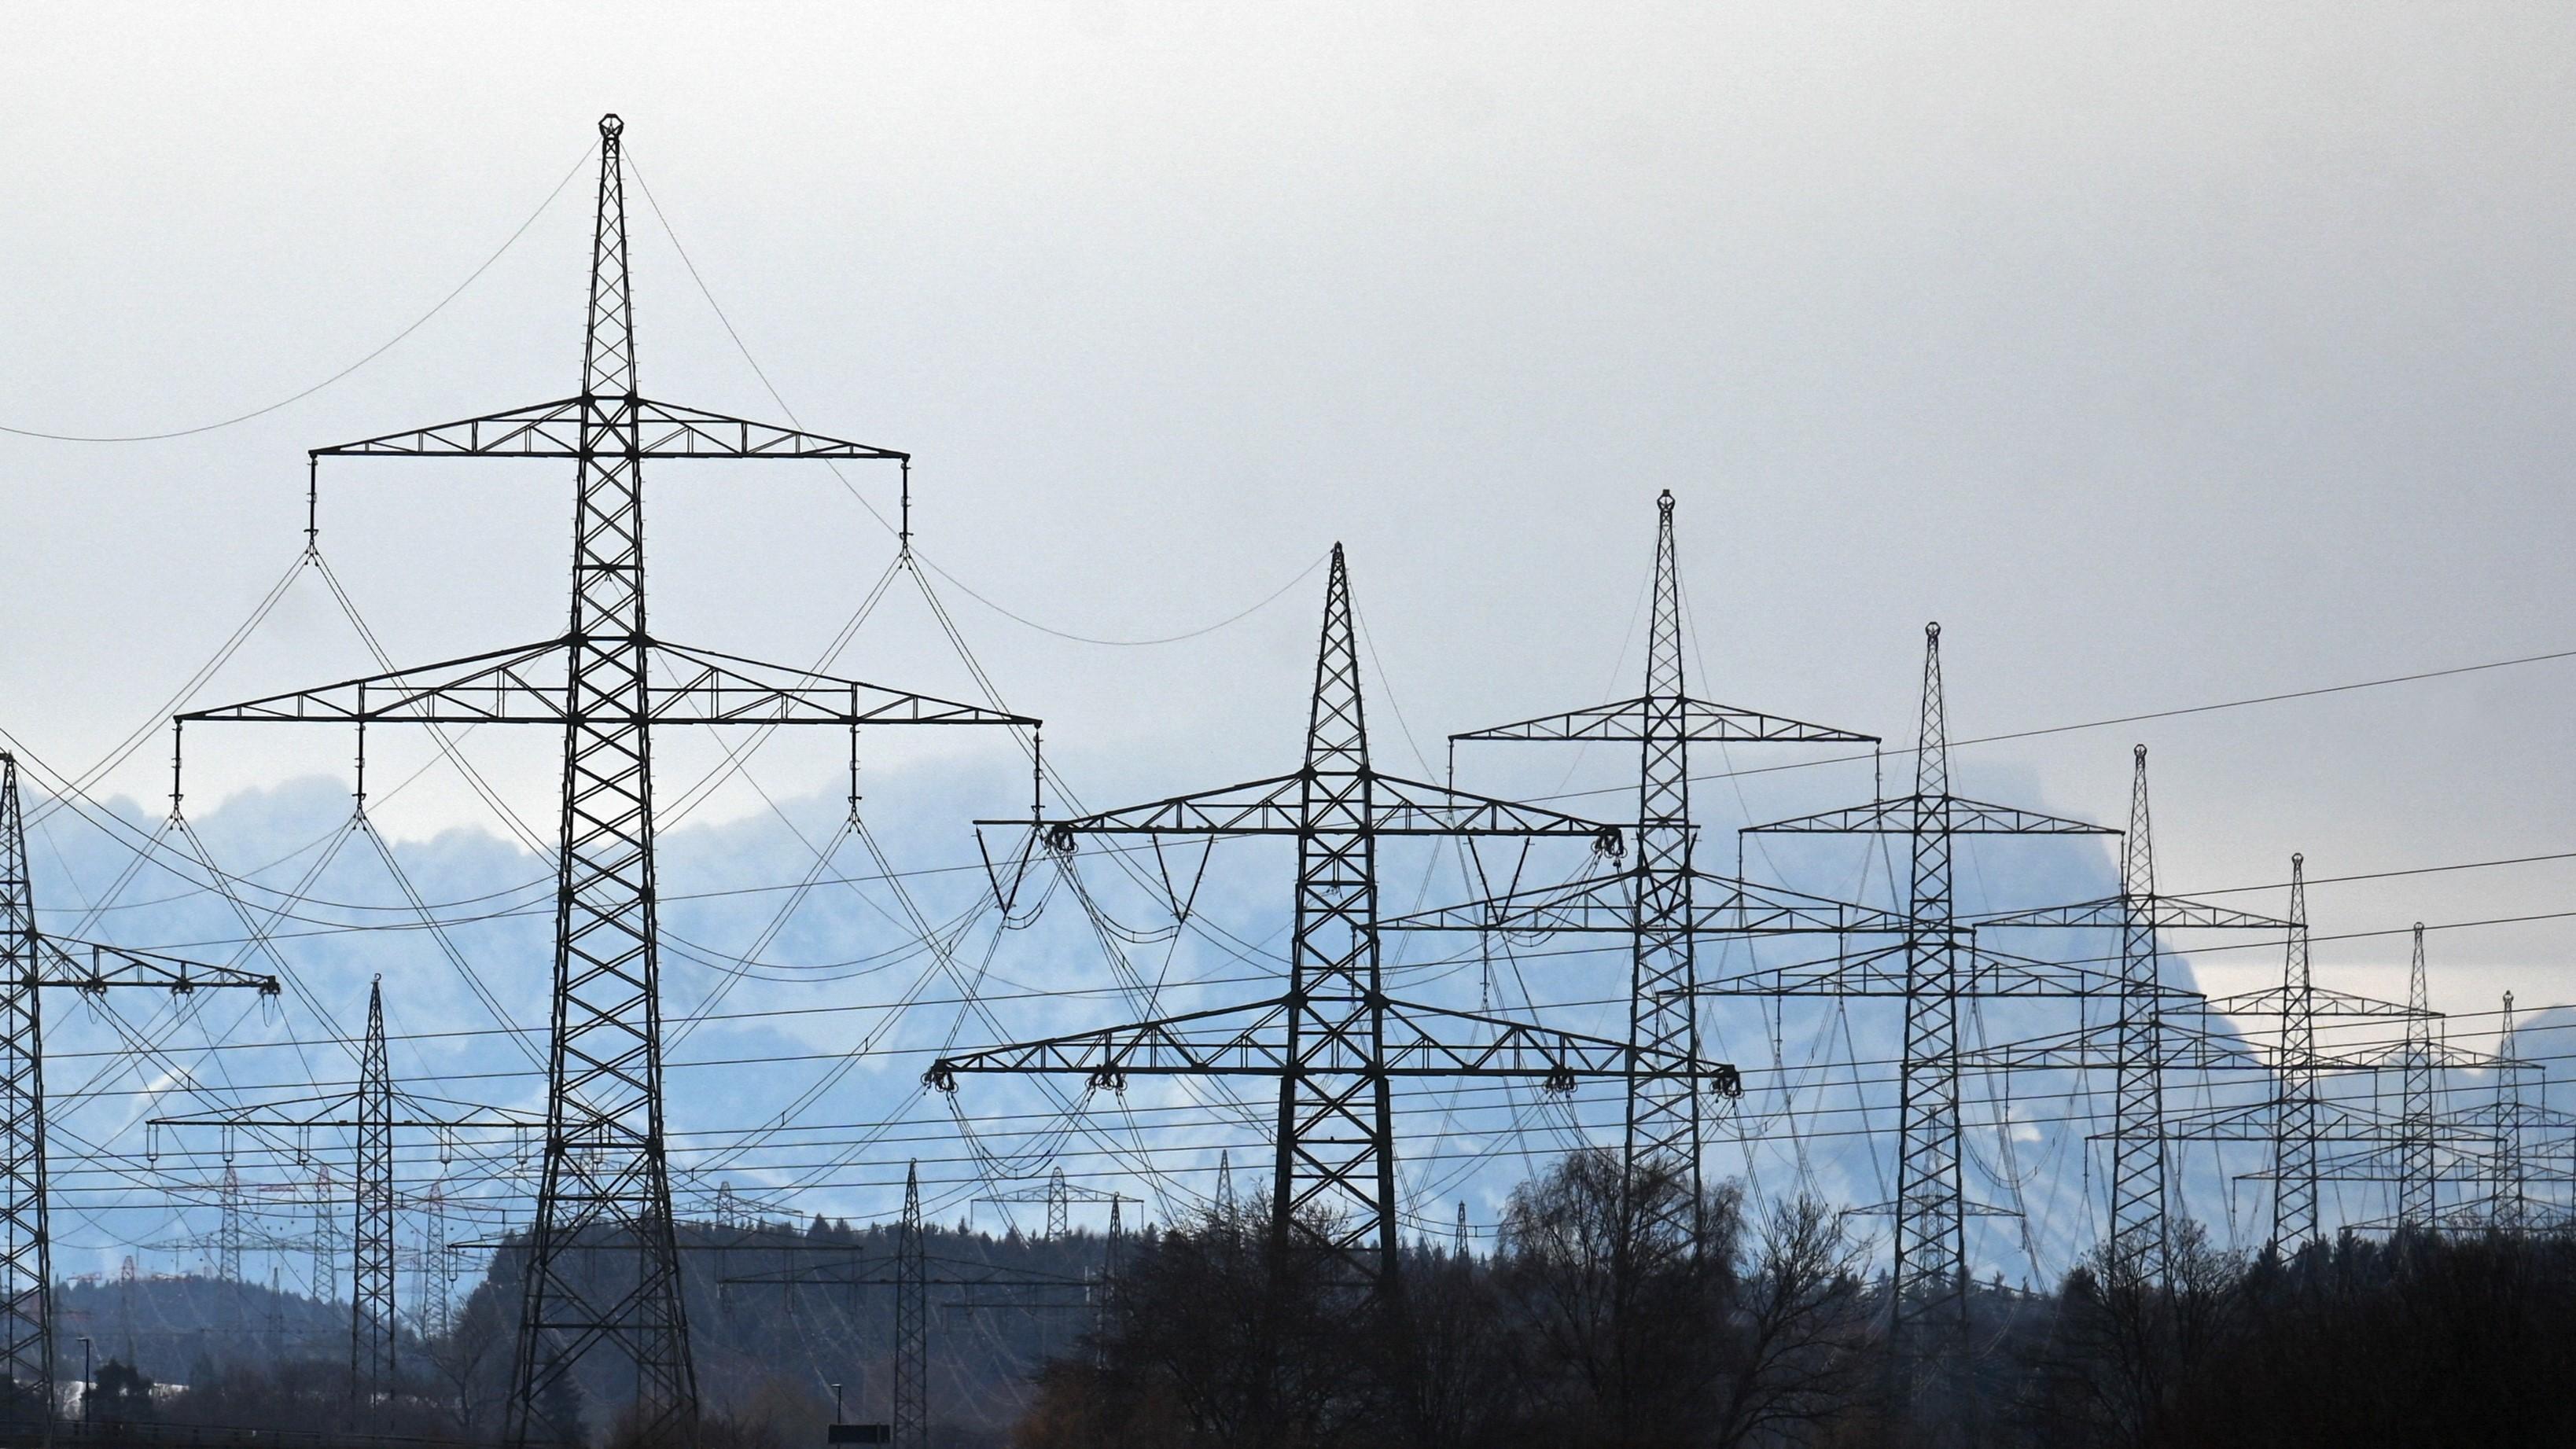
1335 1042
602 684
1663 1109
31 961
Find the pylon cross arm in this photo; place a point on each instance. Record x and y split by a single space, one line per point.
558 430
1719 906
1918 814
527 684
2100 1047
2322 1002
91 967
1251 1041
1882 971
344 1111
1278 806
2163 913
2256 1122
1670 719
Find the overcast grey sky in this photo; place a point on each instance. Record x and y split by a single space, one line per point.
2166 353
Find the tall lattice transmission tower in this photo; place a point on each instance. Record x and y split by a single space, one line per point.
371 1113
1663 1116
1928 1285
32 962
2156 1029
607 683
1334 1043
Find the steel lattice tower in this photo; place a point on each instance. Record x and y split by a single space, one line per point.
2148 1040
325 1233
30 961
605 1175
433 1283
1942 965
228 1229
2294 1102
371 1113
2509 1207
1059 1196
1663 1108
1335 1042
2138 1238
911 1321
371 1297
2293 1118
1931 1195
26 1245
2416 1207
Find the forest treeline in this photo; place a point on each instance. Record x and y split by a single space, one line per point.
1609 1313
1622 1315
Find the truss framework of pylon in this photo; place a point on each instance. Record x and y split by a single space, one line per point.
1333 1041
373 1111
2146 1039
35 962
1657 897
912 1279
1940 964
2299 1117
2420 1147
604 1165
1058 1196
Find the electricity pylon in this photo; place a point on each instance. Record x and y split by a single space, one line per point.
1335 1042
911 1321
912 1280
2146 1040
2416 1203
1059 1197
36 961
1928 1287
2423 1146
372 1113
372 1334
1663 1107
606 683
2297 1117
2294 1101
2508 1124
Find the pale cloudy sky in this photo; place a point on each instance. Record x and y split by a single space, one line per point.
2166 353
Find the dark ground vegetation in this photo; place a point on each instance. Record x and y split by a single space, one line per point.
1602 1318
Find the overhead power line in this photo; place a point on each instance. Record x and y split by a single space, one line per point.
378 351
